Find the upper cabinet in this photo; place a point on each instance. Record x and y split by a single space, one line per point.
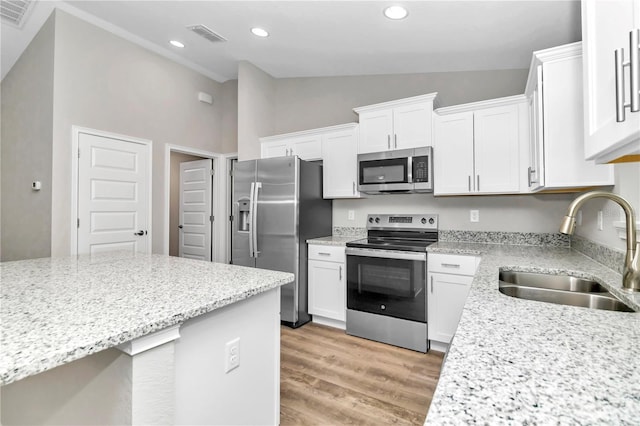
405 123
612 131
554 91
307 145
339 159
477 147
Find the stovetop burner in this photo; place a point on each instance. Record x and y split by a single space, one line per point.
399 232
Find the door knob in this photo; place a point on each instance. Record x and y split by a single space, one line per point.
139 233
180 226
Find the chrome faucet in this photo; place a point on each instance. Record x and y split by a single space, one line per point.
631 271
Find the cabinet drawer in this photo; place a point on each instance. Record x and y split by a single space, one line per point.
452 264
326 253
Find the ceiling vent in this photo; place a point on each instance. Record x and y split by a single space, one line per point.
207 33
15 11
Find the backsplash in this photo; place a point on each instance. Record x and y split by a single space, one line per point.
609 257
349 231
513 238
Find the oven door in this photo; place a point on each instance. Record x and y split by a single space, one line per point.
386 282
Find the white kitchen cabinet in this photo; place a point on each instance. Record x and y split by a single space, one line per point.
307 145
327 284
400 124
554 89
450 278
605 27
339 160
477 147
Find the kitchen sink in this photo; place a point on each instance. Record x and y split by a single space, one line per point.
559 289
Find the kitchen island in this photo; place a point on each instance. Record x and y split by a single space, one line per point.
116 339
515 361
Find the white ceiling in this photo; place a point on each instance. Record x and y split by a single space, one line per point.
328 38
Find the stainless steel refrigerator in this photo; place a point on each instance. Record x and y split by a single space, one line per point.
277 206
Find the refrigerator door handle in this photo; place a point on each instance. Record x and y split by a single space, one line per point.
251 215
254 217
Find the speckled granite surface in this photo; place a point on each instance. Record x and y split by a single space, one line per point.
607 256
514 361
517 238
348 231
333 240
54 311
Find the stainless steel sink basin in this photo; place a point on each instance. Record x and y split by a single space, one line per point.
559 289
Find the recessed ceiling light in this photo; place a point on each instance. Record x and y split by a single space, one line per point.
259 32
396 12
176 43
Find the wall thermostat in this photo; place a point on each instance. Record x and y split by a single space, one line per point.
36 185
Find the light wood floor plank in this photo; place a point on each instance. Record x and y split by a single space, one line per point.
331 378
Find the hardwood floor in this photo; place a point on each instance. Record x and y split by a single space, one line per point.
331 378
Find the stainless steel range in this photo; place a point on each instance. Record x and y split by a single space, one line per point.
387 280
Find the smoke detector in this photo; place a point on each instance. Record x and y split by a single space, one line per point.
208 33
15 12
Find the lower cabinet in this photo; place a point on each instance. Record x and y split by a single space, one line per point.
449 280
327 285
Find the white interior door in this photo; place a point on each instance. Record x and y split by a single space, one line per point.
195 210
113 195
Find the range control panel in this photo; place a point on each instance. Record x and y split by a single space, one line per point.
399 221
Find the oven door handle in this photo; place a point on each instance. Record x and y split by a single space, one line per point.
386 254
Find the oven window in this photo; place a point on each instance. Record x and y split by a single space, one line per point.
384 171
392 287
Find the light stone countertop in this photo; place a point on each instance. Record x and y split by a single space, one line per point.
515 361
54 311
334 240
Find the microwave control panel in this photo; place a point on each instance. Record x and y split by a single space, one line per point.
421 168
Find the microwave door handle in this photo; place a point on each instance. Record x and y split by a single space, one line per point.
409 169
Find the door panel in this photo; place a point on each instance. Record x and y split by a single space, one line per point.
195 210
453 154
244 173
277 225
113 195
412 126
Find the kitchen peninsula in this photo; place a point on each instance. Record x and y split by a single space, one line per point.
115 339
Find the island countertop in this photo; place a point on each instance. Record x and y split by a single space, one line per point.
515 361
56 310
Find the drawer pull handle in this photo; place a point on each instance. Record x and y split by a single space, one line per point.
324 254
450 265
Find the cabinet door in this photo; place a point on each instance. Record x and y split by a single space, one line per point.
307 147
412 126
453 154
339 162
376 131
605 28
497 149
327 291
563 119
275 149
535 173
446 299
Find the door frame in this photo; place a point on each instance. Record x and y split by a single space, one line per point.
218 246
228 187
76 131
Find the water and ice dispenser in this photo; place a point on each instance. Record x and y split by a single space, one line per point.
243 215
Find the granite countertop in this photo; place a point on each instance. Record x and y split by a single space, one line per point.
515 361
334 240
54 311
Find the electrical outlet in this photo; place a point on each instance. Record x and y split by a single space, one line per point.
352 215
232 355
600 221
474 215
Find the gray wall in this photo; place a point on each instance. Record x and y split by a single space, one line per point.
256 109
627 178
107 83
307 103
27 131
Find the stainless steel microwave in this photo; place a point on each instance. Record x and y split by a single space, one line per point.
403 170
